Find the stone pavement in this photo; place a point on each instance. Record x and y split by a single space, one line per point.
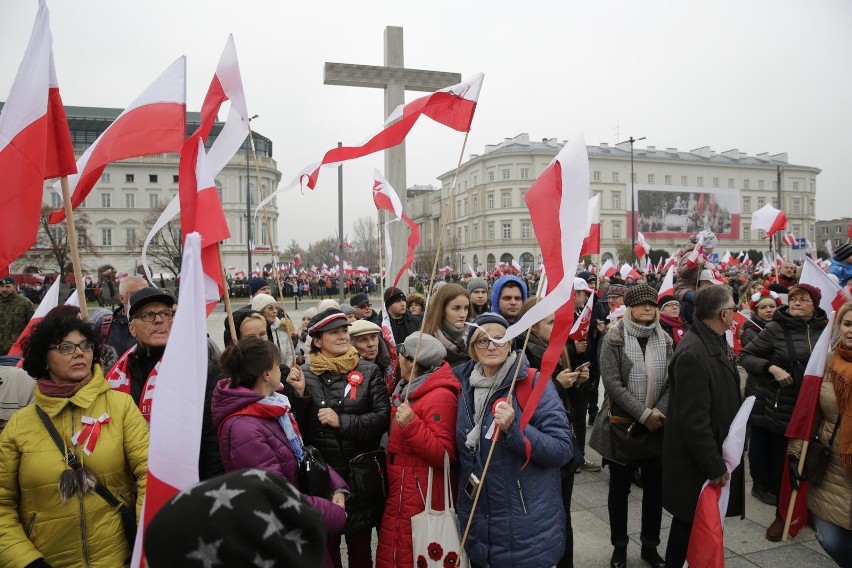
745 543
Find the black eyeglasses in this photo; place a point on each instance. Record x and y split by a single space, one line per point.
67 348
148 317
483 343
732 308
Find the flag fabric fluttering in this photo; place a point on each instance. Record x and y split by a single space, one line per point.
642 247
833 296
592 242
178 409
580 329
667 287
768 219
608 268
386 199
789 239
35 143
153 123
695 255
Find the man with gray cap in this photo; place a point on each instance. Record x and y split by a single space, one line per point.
478 290
15 313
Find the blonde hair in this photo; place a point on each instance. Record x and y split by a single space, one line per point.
838 321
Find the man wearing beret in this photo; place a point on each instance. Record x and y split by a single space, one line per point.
15 313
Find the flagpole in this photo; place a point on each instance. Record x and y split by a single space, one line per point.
795 493
229 313
72 242
379 240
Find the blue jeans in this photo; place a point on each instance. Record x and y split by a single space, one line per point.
835 540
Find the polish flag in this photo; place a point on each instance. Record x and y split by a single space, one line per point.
642 247
35 143
735 260
453 107
515 265
726 259
672 262
735 332
50 301
628 271
472 272
178 409
592 242
706 543
564 181
768 219
833 296
580 329
849 231
297 260
695 255
154 123
794 504
608 268
667 287
660 265
789 239
386 198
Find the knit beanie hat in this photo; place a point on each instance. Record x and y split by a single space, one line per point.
431 352
639 294
348 309
255 284
812 291
615 290
487 317
260 301
843 252
247 517
666 300
476 284
393 295
309 313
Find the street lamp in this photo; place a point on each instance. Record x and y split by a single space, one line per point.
632 198
248 201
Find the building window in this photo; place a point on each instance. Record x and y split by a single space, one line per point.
130 200
775 185
128 178
797 206
760 233
175 179
596 176
459 235
507 230
715 182
505 173
651 178
746 204
760 184
106 237
466 234
616 229
795 186
813 186
746 231
825 231
491 176
476 231
55 200
465 208
489 200
153 200
760 202
525 173
731 183
458 208
81 238
797 230
699 181
490 231
616 200
526 230
130 236
105 177
614 177
475 177
811 206
506 199
745 184
475 203
106 200
152 178
668 179
684 181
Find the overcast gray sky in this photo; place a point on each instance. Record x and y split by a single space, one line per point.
761 76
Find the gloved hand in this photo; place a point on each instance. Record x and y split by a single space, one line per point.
795 478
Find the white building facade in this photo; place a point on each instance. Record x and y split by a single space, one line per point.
487 220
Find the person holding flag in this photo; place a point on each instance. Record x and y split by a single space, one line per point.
582 354
830 500
693 260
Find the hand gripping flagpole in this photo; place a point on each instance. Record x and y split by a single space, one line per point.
75 252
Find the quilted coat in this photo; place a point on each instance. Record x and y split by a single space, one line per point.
412 450
518 520
34 523
260 443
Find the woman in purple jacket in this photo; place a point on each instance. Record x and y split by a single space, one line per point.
256 427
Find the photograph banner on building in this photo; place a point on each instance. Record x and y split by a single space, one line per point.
678 212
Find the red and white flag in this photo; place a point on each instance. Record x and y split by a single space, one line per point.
768 219
472 272
35 143
801 426
833 296
672 262
564 181
608 268
154 123
297 260
667 287
642 247
592 242
789 239
386 198
695 255
580 329
515 265
48 302
726 259
734 334
178 408
628 271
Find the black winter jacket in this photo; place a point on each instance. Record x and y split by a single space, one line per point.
770 347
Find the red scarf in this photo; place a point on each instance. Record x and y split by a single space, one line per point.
677 327
119 379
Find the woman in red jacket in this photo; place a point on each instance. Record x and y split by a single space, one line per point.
422 431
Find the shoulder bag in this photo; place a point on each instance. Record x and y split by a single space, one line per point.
435 534
818 456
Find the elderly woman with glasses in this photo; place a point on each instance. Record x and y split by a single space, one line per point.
776 361
50 514
523 479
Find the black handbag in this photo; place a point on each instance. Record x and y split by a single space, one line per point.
126 512
818 457
314 479
631 441
368 477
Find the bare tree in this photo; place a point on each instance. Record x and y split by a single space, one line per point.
166 248
52 247
366 242
624 252
322 252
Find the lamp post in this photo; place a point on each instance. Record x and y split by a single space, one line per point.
248 202
632 198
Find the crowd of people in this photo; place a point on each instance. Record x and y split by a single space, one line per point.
334 427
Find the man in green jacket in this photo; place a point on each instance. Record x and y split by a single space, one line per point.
15 313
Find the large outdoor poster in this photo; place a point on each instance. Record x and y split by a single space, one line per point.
675 212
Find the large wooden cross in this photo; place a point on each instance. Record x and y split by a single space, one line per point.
395 79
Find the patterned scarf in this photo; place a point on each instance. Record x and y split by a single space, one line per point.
119 379
839 372
321 363
49 388
451 337
648 373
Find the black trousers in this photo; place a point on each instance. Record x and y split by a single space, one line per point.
567 560
678 543
620 478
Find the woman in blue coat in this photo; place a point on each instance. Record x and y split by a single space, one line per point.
517 521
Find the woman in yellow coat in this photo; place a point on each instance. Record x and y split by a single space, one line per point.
49 513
